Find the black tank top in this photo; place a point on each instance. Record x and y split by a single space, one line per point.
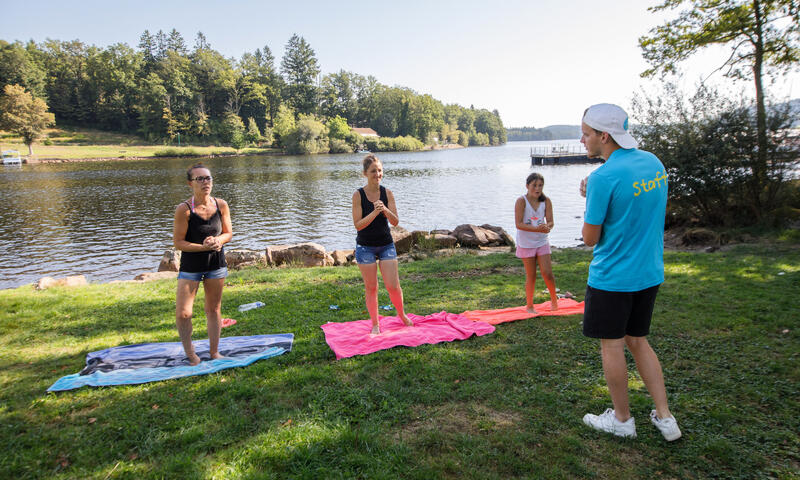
198 230
377 233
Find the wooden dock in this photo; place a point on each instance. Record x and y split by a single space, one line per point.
560 155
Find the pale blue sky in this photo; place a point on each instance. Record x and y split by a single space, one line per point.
538 62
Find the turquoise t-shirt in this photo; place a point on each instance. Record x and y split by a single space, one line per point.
627 195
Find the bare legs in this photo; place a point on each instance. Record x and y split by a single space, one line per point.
530 281
547 274
616 372
650 370
369 272
187 290
213 290
391 279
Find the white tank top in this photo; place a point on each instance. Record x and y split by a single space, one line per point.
534 218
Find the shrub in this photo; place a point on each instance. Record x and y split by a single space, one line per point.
397 144
339 146
354 140
177 152
231 131
253 135
308 137
708 144
371 143
338 128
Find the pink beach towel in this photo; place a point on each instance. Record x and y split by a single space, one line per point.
354 338
566 306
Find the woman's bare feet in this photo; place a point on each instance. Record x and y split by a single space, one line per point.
406 320
216 356
530 310
376 330
553 305
193 359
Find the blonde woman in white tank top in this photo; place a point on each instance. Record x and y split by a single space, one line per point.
533 216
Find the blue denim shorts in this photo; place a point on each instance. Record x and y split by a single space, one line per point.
368 255
200 276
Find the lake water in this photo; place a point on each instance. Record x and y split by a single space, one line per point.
113 220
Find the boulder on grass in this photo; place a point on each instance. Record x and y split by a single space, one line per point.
170 261
504 236
307 254
403 239
474 236
443 241
244 258
71 281
151 276
342 257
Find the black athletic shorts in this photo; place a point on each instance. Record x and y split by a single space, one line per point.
616 314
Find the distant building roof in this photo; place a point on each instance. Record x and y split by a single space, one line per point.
366 132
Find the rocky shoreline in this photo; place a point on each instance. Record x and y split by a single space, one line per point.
410 246
308 254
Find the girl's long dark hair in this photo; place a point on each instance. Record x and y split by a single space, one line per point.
536 176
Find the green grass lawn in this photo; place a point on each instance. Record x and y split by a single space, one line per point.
505 405
86 144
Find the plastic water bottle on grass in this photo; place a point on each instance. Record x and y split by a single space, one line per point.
250 306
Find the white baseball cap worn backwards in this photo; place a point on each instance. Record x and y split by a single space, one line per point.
612 119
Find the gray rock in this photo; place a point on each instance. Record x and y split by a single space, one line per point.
343 257
474 236
244 258
506 238
403 239
170 261
443 241
303 254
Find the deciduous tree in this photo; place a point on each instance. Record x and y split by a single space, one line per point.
23 114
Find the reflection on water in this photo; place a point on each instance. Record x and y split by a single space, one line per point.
113 220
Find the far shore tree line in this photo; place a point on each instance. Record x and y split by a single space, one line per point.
167 92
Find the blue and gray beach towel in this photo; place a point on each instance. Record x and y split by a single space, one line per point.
151 362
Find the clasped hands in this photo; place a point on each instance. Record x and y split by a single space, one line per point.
212 243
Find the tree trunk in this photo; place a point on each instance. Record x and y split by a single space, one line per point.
30 150
760 166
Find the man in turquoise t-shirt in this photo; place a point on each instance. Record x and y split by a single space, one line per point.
626 200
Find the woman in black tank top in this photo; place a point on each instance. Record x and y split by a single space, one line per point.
202 226
373 210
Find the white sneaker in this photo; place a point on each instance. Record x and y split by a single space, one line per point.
667 426
607 422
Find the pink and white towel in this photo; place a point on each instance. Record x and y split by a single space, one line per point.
354 338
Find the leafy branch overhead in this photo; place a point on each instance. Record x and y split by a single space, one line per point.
758 32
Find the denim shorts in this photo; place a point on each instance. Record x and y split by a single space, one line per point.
200 276
368 255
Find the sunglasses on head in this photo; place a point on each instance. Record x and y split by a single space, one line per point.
203 179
